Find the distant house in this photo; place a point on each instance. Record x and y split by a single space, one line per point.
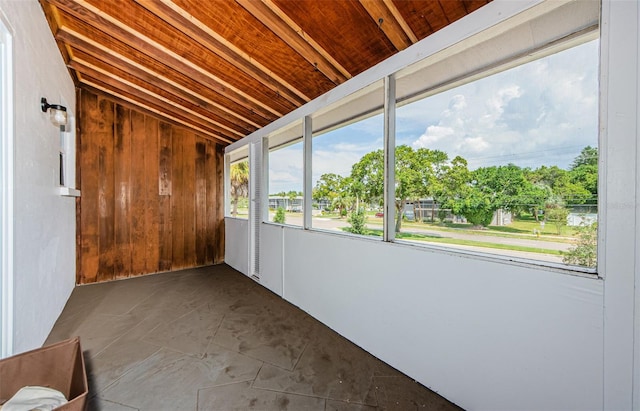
578 219
289 204
428 209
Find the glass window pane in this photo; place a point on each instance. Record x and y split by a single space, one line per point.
507 164
285 185
239 188
347 177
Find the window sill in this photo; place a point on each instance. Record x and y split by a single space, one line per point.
68 192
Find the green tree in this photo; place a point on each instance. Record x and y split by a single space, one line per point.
416 176
329 186
584 172
561 183
239 187
280 216
369 173
556 212
586 176
533 198
584 252
475 206
587 157
342 203
503 184
478 194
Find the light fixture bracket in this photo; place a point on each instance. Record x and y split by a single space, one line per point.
46 106
57 113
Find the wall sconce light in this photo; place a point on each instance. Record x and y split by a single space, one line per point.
57 113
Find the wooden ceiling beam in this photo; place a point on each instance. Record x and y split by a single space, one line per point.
113 27
150 82
99 50
53 18
136 98
284 27
92 68
122 86
401 20
388 23
200 32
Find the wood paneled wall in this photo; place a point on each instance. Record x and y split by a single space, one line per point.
152 194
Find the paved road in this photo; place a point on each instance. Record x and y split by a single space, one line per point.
337 224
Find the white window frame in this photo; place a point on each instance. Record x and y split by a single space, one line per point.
230 158
555 28
6 191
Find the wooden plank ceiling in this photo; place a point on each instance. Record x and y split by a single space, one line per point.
225 68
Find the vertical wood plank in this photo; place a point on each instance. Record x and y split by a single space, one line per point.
106 190
151 166
211 201
189 198
88 163
138 191
122 175
165 235
177 203
152 194
219 255
201 200
78 202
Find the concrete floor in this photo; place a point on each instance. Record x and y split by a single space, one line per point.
212 339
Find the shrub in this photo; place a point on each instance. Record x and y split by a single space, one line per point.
280 216
583 253
358 219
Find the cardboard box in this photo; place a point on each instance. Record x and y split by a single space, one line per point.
59 366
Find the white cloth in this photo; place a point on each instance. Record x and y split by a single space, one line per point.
35 399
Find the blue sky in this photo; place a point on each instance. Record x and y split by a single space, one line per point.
541 113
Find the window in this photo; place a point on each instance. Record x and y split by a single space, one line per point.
346 166
286 171
239 188
506 164
495 140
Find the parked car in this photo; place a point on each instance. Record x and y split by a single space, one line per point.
379 214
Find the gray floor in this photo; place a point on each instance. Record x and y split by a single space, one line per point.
212 339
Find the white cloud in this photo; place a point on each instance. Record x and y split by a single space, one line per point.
542 113
547 108
476 144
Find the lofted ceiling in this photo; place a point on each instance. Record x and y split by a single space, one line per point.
226 68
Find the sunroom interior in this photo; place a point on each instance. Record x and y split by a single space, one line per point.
164 98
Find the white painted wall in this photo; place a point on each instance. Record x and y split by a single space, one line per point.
271 256
487 334
44 222
484 334
619 190
236 251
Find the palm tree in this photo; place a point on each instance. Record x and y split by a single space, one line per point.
239 183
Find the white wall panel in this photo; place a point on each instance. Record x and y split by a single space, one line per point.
44 222
271 256
485 335
236 245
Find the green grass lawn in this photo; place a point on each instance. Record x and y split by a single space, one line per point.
518 228
444 240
